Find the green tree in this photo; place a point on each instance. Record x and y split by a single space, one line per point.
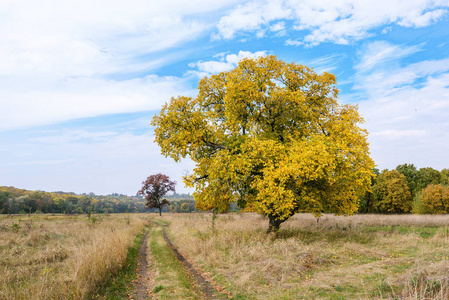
435 198
61 204
13 205
4 197
26 204
271 136
86 203
391 193
411 174
72 200
445 177
427 176
39 201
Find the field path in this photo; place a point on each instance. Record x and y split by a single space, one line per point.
144 285
203 285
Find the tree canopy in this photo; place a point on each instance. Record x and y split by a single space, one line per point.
435 199
391 193
271 136
411 174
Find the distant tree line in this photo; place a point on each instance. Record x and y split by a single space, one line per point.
404 189
182 206
407 189
21 201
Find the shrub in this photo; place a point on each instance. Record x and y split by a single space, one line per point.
417 206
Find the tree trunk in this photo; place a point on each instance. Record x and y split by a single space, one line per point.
160 211
273 224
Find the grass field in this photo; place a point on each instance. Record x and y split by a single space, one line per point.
358 257
62 257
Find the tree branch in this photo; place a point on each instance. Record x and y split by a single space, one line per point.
214 145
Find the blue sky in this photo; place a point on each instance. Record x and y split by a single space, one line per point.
81 80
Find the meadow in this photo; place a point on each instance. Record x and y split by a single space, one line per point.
357 257
63 257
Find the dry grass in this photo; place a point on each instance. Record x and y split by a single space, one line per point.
59 257
361 257
358 257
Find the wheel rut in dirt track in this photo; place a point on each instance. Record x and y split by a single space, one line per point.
204 286
143 289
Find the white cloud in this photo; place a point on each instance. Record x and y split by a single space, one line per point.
390 80
419 18
252 16
74 136
57 58
225 63
379 70
340 21
277 26
326 63
410 125
379 52
45 103
291 42
81 38
387 30
406 106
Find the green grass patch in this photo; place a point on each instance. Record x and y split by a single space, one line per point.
158 288
330 235
400 268
338 292
172 281
424 232
160 222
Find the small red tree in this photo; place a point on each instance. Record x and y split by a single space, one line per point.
154 188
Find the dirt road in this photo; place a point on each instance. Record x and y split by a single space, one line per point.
145 280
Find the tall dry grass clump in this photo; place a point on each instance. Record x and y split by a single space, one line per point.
362 256
59 257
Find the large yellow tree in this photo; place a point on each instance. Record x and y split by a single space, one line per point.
271 136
